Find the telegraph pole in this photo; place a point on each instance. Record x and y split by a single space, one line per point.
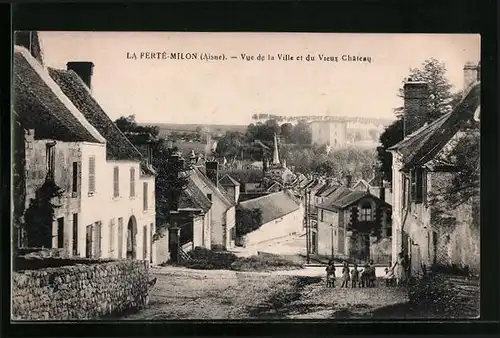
308 234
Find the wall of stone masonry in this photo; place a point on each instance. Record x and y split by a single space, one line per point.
79 292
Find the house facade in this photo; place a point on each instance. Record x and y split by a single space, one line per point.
350 223
223 227
117 184
425 227
281 216
51 138
329 133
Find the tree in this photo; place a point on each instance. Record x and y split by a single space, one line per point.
302 133
441 101
287 132
170 182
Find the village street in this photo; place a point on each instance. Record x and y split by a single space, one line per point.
182 293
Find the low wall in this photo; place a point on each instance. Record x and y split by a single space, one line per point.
79 292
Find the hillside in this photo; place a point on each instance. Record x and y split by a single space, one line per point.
166 128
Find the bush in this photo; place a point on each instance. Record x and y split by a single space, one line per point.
264 263
206 259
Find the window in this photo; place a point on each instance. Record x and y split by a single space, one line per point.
97 239
91 174
74 181
112 236
51 161
88 242
145 241
116 182
403 195
132 182
366 212
151 226
419 185
120 237
321 215
75 234
145 196
341 240
60 233
209 196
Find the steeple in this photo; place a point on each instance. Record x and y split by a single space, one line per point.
276 157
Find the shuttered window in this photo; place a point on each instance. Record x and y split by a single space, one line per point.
116 182
145 196
91 174
112 237
120 237
132 182
74 181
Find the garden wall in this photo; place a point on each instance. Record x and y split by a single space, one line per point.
80 291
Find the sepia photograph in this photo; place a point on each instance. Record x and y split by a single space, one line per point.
162 176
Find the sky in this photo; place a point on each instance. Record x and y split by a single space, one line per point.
229 91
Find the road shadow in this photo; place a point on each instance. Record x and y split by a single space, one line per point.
280 304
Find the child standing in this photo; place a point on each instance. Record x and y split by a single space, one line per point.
345 275
354 276
330 275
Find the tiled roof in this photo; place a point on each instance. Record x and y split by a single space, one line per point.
345 200
193 198
337 194
423 145
328 191
228 181
272 206
244 176
56 115
219 191
118 146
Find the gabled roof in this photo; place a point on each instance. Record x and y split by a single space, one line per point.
328 191
348 199
363 183
272 206
40 104
193 198
228 181
118 145
424 144
337 194
219 191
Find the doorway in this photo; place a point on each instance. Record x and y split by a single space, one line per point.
132 238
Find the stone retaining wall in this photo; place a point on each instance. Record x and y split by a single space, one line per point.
79 292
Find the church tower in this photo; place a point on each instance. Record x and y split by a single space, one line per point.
276 157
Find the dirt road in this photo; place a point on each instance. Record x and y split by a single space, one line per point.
221 294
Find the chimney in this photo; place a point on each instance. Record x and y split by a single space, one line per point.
471 73
416 94
84 69
348 180
212 171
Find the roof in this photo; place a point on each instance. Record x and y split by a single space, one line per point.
272 206
361 182
328 191
118 146
219 191
337 194
425 143
345 200
193 198
228 181
56 116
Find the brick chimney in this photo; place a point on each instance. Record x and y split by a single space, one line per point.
416 95
84 69
471 73
212 171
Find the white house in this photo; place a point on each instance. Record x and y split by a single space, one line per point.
117 218
281 216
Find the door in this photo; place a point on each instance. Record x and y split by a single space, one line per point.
97 240
60 233
88 242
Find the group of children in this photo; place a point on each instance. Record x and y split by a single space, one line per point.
358 278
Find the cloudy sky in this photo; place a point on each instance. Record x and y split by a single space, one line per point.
230 91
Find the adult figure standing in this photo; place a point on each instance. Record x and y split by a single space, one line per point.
399 269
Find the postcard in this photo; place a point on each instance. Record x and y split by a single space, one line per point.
253 176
